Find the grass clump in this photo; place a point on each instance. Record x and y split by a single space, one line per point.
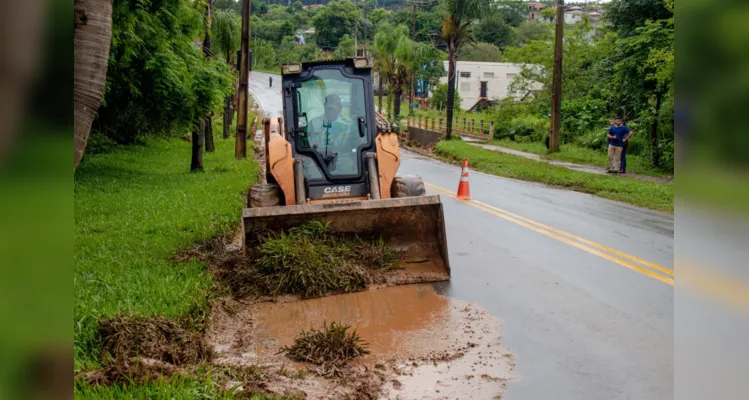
330 347
309 261
646 194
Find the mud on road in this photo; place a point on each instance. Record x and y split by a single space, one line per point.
423 345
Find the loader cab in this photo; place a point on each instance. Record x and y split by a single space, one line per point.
329 121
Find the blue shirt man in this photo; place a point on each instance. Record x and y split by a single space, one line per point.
617 135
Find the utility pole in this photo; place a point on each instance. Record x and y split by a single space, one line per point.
556 95
413 74
240 148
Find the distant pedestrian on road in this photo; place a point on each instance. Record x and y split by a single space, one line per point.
616 136
625 145
270 81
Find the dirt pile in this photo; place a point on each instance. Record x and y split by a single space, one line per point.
156 338
305 261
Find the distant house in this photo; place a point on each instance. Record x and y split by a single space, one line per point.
573 17
534 10
313 7
477 81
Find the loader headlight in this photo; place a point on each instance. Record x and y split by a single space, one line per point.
361 63
291 69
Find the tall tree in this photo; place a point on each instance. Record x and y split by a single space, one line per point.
92 37
208 126
333 21
480 52
556 95
345 47
455 33
388 64
227 26
627 15
495 30
240 145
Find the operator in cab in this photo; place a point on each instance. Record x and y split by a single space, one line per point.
332 136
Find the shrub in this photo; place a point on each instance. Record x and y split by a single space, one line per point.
525 127
439 98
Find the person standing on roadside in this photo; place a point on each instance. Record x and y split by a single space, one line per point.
270 81
625 144
616 135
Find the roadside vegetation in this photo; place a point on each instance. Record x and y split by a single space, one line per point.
645 194
135 207
577 154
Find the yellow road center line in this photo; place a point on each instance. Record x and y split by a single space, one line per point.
630 257
553 235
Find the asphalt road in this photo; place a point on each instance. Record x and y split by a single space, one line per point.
583 285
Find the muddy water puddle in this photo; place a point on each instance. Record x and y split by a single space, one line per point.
423 345
388 320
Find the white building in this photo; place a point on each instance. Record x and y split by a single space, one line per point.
573 17
482 80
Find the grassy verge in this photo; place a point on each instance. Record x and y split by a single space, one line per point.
645 194
134 209
268 70
581 155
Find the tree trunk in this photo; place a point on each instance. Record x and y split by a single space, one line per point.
208 135
655 153
228 103
397 104
196 164
92 36
391 102
206 126
240 146
379 78
228 117
556 95
411 97
451 61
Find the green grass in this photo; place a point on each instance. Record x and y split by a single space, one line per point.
268 70
170 389
134 209
174 388
581 155
645 194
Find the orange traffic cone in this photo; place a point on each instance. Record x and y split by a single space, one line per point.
464 191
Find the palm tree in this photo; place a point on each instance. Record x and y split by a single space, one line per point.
227 27
459 14
400 75
387 41
92 36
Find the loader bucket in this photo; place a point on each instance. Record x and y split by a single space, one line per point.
413 226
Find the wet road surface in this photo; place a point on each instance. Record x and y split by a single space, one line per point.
583 285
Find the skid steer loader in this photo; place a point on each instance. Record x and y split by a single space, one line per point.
331 158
